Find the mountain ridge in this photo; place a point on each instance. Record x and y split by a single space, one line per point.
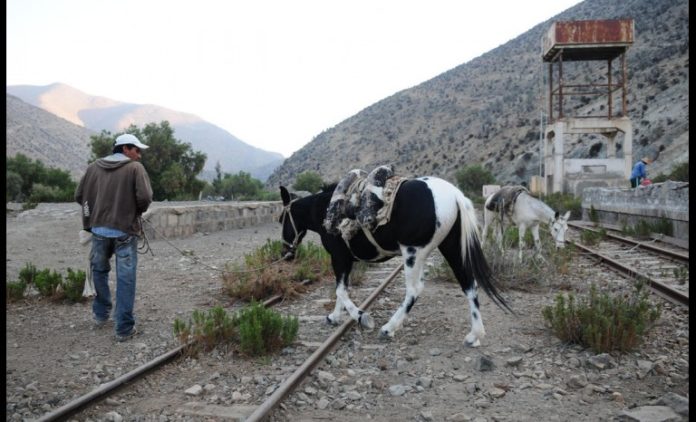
100 113
487 111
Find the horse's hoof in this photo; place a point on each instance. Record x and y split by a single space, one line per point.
475 343
331 321
385 335
366 321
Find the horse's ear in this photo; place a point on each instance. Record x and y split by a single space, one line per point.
566 216
284 195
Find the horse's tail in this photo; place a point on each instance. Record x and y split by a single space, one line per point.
475 264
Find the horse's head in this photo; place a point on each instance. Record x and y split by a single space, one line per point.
559 226
291 234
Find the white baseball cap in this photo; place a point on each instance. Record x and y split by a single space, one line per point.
128 139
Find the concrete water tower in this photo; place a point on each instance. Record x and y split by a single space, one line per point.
586 41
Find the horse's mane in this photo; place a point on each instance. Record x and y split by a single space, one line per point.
329 188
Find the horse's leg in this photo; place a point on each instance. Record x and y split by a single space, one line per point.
344 302
414 265
522 229
487 217
535 235
452 251
334 317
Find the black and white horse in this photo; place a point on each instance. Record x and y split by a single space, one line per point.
427 213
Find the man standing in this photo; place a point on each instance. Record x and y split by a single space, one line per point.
639 172
113 194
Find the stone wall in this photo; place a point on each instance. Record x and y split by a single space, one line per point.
668 200
183 219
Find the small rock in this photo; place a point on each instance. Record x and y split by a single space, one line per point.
496 393
426 415
196 390
397 390
458 417
514 361
435 351
323 403
650 413
113 417
618 397
679 404
426 382
484 363
577 381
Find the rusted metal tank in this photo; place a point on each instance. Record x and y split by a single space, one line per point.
588 39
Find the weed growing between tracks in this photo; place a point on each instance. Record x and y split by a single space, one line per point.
264 274
602 322
255 330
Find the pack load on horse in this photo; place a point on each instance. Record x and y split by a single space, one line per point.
516 205
378 216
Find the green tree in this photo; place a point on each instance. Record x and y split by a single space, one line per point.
309 181
29 179
171 164
472 178
217 182
241 186
13 185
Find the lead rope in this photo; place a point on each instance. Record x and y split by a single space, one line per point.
197 260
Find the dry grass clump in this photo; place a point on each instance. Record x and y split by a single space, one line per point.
264 274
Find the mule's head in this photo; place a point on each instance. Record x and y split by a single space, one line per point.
559 226
291 234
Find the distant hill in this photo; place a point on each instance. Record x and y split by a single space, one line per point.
99 113
487 111
41 135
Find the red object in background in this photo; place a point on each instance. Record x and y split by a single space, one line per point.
646 182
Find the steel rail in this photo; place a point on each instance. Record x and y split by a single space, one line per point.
105 389
670 253
72 407
663 290
298 376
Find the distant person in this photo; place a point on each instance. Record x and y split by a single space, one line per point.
639 172
113 194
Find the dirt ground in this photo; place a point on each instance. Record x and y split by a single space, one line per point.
521 371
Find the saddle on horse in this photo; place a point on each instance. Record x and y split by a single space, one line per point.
504 199
362 201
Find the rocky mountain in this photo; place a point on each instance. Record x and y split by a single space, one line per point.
41 135
487 111
99 113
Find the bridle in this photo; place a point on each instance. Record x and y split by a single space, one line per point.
298 235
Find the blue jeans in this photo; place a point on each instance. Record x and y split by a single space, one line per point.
126 250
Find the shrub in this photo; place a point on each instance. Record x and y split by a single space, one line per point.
594 216
74 284
471 179
15 290
205 331
643 229
680 173
592 237
309 181
263 331
28 273
264 274
563 202
47 282
601 322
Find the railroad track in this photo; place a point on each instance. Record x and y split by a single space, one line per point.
316 340
665 266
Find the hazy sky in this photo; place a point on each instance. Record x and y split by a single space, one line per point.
274 73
